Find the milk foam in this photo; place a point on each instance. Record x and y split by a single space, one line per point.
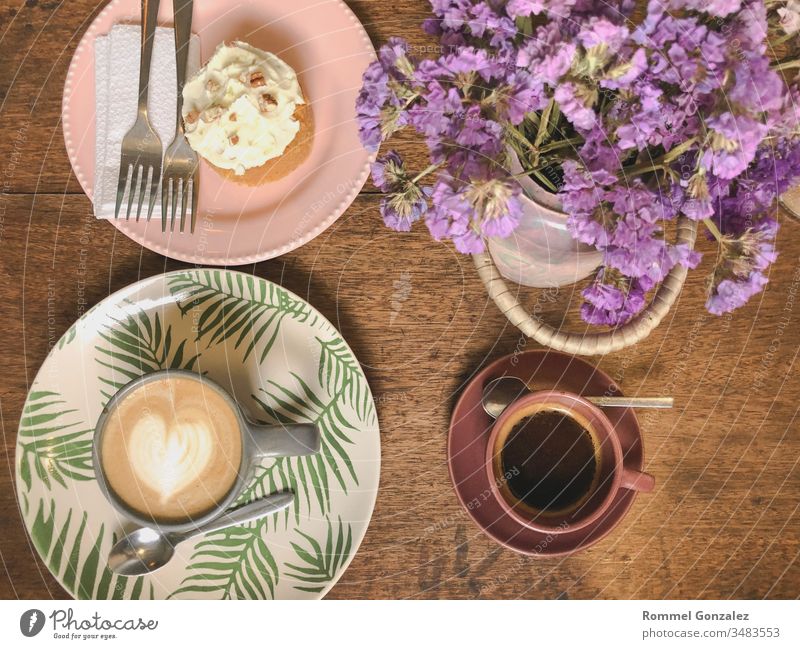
168 456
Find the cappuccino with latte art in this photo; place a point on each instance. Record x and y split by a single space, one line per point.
171 449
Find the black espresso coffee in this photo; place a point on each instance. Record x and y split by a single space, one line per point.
550 461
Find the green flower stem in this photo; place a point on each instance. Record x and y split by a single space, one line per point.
780 41
642 169
522 139
713 229
545 181
661 162
430 169
786 65
560 144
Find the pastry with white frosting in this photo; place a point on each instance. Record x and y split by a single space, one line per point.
245 113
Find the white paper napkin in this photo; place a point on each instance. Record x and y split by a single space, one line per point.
116 70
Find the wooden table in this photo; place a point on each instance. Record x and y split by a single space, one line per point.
723 521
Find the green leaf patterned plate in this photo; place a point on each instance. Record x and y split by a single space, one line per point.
282 360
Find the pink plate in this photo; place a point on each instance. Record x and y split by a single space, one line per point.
470 427
328 47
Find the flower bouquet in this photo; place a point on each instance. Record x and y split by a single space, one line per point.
634 116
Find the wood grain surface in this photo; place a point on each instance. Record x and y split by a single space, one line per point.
723 521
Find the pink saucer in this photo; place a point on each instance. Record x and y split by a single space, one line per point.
329 48
466 448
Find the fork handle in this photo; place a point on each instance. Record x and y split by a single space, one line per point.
149 20
183 31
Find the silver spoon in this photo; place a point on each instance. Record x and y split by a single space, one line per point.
146 549
499 393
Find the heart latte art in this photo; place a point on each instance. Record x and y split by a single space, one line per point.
171 449
167 456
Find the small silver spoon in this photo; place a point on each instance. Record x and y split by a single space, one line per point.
499 393
146 549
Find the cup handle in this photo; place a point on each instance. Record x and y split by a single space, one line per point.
637 480
281 440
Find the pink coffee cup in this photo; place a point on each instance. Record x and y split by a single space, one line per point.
610 474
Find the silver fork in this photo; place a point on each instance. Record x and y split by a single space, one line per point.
140 164
180 160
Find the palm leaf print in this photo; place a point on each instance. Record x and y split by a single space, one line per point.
341 373
302 475
82 570
282 404
69 336
317 566
234 563
234 306
54 444
136 345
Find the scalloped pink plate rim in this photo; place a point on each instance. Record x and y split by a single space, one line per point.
329 48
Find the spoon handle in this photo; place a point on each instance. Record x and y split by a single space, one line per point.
632 402
241 515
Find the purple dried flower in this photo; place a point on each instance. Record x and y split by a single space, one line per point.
599 151
599 31
734 141
496 206
739 272
714 7
757 87
434 116
525 95
405 201
574 107
480 134
729 294
548 52
399 213
611 300
388 172
394 56
525 8
374 93
468 241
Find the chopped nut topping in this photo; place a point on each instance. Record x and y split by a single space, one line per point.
234 139
233 117
211 114
192 116
257 80
266 102
212 85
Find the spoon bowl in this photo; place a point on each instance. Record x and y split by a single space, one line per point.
142 551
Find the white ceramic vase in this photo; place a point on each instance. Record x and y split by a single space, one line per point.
541 252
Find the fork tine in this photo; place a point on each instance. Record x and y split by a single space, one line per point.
166 183
145 172
124 174
155 181
184 197
175 191
194 196
134 189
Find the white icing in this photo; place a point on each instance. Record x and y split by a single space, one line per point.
232 121
168 456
